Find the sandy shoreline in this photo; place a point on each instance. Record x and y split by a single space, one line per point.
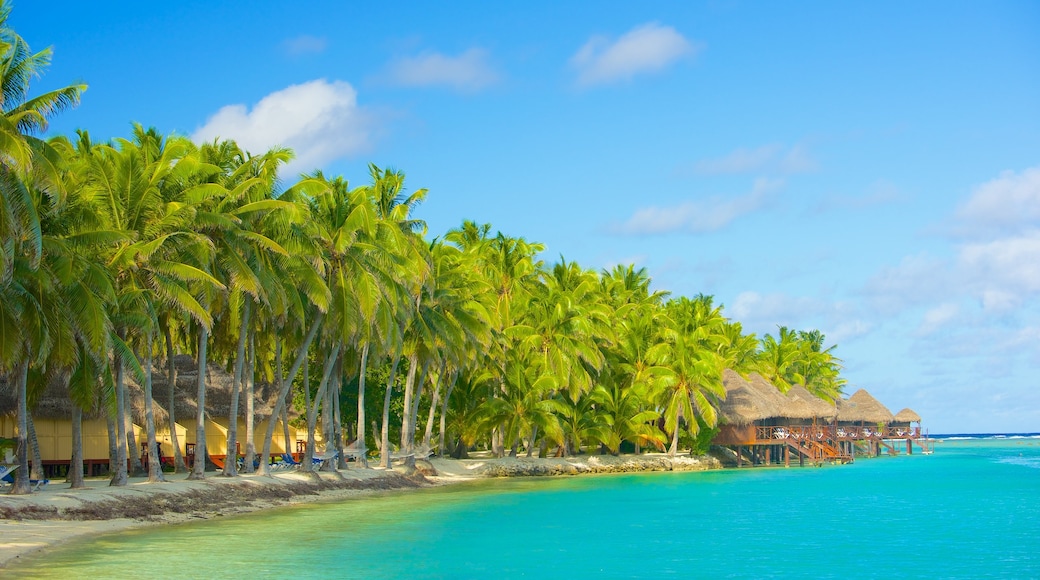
56 514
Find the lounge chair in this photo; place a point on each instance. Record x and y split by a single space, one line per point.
286 461
7 473
36 484
781 433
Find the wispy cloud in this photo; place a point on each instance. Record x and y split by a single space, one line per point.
320 120
1008 203
880 193
699 216
468 71
772 158
305 44
645 49
762 313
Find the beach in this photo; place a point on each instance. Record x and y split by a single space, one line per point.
56 514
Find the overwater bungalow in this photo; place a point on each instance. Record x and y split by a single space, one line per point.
760 426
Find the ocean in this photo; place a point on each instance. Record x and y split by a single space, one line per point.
970 510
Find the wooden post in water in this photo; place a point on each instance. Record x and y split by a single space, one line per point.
787 455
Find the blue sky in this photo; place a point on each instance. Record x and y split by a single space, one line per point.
870 170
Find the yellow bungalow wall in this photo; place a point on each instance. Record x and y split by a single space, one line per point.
55 437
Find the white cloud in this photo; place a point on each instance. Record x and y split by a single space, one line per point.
916 280
320 120
762 314
305 44
645 49
469 71
772 158
938 317
699 216
1009 202
1004 271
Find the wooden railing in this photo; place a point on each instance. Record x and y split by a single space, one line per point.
832 433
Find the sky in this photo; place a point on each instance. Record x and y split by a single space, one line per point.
871 170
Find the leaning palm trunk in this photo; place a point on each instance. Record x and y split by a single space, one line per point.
171 381
231 460
320 398
362 454
198 467
384 445
119 474
154 467
675 437
407 420
21 480
76 465
433 411
265 458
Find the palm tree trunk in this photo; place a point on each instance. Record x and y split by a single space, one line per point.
312 417
119 474
319 400
231 460
444 410
21 477
171 381
534 437
433 410
113 444
337 419
265 458
198 468
76 464
362 454
136 467
36 467
407 419
154 467
285 429
384 446
247 388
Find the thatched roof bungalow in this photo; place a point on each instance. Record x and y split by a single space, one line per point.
749 402
799 403
863 408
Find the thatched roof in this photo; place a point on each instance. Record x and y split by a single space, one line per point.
801 404
54 402
862 407
907 416
748 401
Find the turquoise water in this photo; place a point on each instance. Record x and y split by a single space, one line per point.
971 510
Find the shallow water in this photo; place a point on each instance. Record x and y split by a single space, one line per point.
970 510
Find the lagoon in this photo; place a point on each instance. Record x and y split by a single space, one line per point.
970 510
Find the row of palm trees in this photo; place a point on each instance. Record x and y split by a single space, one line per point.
117 256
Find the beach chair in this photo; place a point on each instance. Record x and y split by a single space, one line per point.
781 433
36 484
7 474
285 462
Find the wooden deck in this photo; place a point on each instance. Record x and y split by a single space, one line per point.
819 444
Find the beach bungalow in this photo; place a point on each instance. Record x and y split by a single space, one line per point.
863 422
52 419
902 427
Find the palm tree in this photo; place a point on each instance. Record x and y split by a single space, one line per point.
26 163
